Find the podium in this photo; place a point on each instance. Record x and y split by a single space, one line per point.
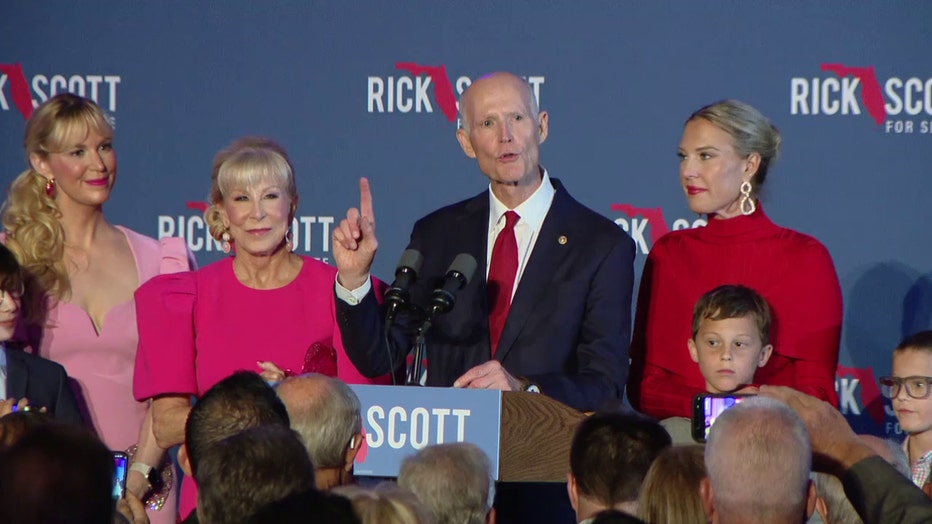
527 436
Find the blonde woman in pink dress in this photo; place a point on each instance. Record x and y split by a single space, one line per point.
89 269
264 309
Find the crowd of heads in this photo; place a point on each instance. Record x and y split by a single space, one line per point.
258 452
251 466
757 466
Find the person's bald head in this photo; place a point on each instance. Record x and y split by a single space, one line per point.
503 130
325 412
497 81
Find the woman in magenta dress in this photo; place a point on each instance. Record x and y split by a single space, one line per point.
726 152
264 309
89 269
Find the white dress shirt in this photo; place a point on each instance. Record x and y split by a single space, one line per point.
532 211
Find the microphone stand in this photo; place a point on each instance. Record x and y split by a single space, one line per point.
444 297
398 297
389 340
420 347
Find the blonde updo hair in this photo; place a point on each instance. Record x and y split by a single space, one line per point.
245 163
751 131
386 503
31 217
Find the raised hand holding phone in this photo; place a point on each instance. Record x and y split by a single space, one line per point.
707 407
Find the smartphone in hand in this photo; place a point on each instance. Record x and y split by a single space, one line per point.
707 407
121 468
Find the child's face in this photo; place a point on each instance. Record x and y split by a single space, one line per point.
728 351
914 415
9 314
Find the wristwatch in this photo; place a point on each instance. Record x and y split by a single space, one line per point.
147 471
529 387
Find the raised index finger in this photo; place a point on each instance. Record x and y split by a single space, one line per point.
365 199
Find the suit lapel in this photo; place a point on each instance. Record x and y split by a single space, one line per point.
475 232
548 254
16 374
475 237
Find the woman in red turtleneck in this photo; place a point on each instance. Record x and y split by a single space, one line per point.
725 154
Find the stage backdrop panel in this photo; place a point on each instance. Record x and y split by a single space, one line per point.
357 89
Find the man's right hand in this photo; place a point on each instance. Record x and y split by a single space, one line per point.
835 446
354 241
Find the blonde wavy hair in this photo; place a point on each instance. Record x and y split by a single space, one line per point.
31 217
670 491
242 164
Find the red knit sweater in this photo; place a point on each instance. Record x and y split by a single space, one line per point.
792 271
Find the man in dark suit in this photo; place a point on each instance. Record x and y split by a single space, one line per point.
42 382
549 307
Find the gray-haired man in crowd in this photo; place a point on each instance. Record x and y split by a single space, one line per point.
454 481
758 458
325 412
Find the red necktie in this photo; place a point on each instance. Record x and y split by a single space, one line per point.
502 272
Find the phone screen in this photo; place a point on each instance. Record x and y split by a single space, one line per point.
706 408
121 465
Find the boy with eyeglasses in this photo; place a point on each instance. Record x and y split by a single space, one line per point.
26 378
909 389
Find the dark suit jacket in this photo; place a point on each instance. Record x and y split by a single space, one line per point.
569 325
880 494
43 382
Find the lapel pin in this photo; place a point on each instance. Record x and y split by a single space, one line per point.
562 240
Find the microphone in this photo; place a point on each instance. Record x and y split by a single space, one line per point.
458 276
444 297
397 295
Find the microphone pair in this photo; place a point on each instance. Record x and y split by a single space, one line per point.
443 298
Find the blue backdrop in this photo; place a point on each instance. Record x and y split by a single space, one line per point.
361 88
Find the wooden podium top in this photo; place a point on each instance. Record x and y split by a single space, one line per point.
535 440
